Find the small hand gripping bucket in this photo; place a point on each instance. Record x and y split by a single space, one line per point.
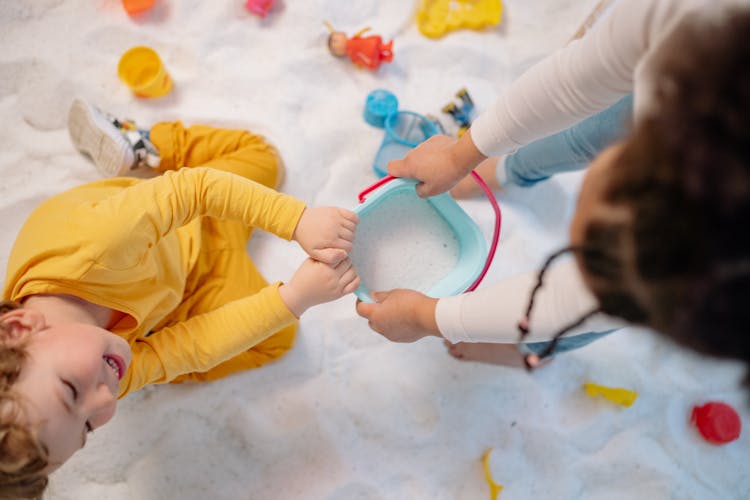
404 130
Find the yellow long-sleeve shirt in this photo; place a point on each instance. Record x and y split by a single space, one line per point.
129 245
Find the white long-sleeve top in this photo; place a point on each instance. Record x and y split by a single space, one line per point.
491 314
590 74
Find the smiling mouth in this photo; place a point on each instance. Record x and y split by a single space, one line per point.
117 365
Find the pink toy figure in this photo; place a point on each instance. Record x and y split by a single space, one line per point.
259 7
365 52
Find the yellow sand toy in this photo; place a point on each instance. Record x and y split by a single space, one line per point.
495 488
617 395
437 17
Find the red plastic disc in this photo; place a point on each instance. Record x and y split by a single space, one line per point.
717 422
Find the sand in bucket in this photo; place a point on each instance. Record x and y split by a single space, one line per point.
405 243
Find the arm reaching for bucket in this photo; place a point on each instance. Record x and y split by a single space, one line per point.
489 314
438 163
401 315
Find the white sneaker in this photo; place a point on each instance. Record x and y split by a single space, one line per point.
115 146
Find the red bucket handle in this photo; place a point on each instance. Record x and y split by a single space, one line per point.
368 190
495 208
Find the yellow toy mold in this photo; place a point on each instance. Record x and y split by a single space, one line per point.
495 488
622 397
437 17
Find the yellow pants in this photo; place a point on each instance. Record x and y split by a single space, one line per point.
224 271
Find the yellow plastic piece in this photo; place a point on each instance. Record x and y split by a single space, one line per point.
437 17
495 488
623 397
144 72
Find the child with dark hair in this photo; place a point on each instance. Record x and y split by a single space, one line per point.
125 282
680 260
658 233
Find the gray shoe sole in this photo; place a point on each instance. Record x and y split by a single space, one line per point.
93 135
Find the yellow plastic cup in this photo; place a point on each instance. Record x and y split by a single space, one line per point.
142 70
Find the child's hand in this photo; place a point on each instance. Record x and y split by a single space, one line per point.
401 315
326 233
438 163
432 164
315 283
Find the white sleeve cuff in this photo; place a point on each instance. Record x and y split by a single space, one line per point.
448 319
485 133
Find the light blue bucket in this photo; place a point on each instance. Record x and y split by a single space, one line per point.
404 130
472 257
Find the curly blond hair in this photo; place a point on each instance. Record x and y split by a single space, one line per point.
23 458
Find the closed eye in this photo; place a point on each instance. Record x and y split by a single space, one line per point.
73 390
74 394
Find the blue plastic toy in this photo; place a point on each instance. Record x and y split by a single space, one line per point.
463 112
404 130
380 103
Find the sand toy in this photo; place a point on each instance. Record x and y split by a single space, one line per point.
142 70
435 18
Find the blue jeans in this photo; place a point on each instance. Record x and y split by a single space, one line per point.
571 149
568 343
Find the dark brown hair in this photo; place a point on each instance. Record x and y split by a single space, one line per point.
681 262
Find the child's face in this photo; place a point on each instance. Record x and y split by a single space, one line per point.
70 382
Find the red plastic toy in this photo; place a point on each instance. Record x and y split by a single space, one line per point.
717 422
259 7
365 52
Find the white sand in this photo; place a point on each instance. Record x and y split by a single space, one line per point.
403 242
347 415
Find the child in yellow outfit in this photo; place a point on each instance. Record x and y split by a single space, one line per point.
125 282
